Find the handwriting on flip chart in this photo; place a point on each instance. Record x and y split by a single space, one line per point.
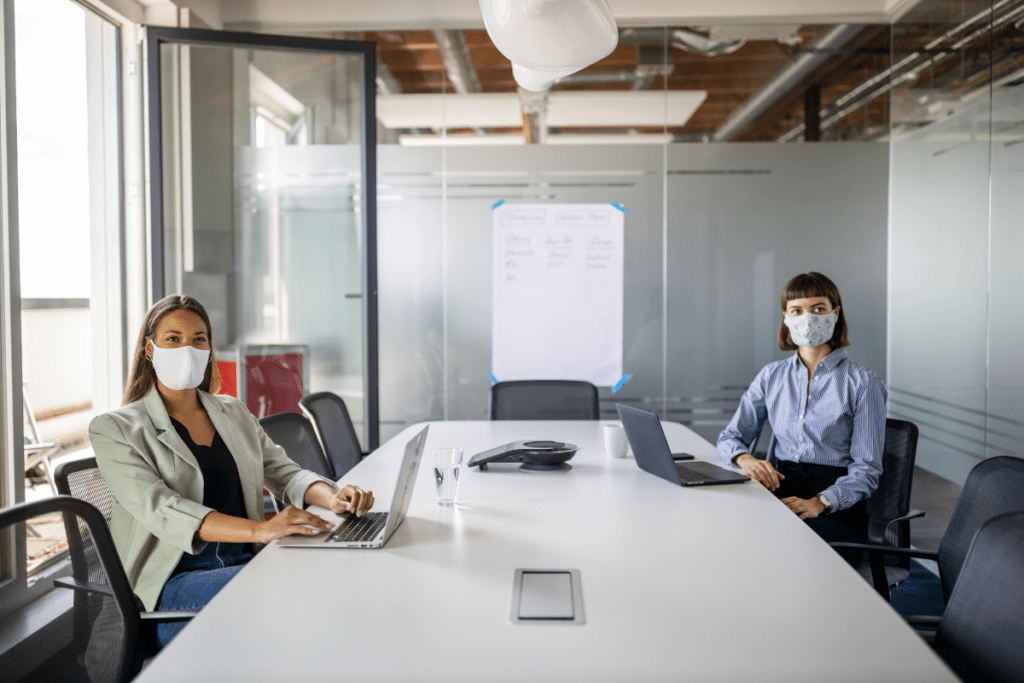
558 242
554 263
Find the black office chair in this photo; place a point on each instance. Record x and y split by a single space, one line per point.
105 628
296 435
544 400
980 635
889 512
333 425
763 443
993 487
81 479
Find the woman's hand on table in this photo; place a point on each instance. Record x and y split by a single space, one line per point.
351 499
289 522
761 470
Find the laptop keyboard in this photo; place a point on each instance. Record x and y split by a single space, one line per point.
359 529
688 476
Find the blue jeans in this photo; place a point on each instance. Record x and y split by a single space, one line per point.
196 579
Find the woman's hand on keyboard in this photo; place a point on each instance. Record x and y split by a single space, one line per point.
352 499
289 522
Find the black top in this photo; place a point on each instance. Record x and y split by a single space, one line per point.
222 487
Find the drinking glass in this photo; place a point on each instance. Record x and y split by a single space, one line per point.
447 462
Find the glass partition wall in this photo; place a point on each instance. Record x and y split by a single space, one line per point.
955 366
713 229
260 211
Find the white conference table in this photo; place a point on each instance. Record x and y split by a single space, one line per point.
718 583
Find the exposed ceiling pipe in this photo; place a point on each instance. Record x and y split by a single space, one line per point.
387 84
651 63
694 42
908 68
622 76
681 39
458 63
769 95
535 116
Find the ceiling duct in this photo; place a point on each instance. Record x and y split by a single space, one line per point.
457 62
681 39
909 68
387 84
695 42
767 97
535 116
650 64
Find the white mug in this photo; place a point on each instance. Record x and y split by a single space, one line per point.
615 442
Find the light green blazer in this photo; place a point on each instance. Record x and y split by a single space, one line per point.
158 487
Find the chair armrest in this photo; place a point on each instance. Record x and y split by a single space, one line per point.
84 586
913 514
923 620
168 615
880 550
875 553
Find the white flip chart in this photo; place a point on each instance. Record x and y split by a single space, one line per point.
558 292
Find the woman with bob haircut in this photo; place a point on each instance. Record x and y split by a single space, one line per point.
187 468
827 414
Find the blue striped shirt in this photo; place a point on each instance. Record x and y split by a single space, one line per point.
839 421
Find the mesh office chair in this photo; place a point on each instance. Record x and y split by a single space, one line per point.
980 635
81 479
993 487
105 630
333 425
544 400
295 434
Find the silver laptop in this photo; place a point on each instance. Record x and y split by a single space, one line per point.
375 528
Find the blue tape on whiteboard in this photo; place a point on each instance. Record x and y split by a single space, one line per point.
494 380
618 206
621 383
498 203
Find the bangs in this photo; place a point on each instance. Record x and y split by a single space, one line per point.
809 286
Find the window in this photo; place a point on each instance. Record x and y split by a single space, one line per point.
69 218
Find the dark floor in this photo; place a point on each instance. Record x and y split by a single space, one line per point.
937 497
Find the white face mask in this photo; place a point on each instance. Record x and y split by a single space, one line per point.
182 367
810 329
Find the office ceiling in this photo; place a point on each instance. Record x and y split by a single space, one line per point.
939 57
728 80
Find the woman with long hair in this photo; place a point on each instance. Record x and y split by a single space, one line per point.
827 414
187 468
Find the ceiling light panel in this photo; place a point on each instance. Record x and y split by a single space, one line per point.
570 109
623 108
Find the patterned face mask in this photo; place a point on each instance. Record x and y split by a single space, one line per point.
810 329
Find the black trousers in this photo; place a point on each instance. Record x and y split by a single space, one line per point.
807 480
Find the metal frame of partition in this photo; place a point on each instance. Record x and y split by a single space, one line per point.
155 37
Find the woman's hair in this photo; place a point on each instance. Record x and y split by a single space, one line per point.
143 377
808 286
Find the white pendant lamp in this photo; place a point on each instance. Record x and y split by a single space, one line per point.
538 81
548 39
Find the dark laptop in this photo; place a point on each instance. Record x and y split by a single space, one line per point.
643 429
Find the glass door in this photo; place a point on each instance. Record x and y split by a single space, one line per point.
263 191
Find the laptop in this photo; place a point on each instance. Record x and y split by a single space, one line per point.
647 438
374 528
